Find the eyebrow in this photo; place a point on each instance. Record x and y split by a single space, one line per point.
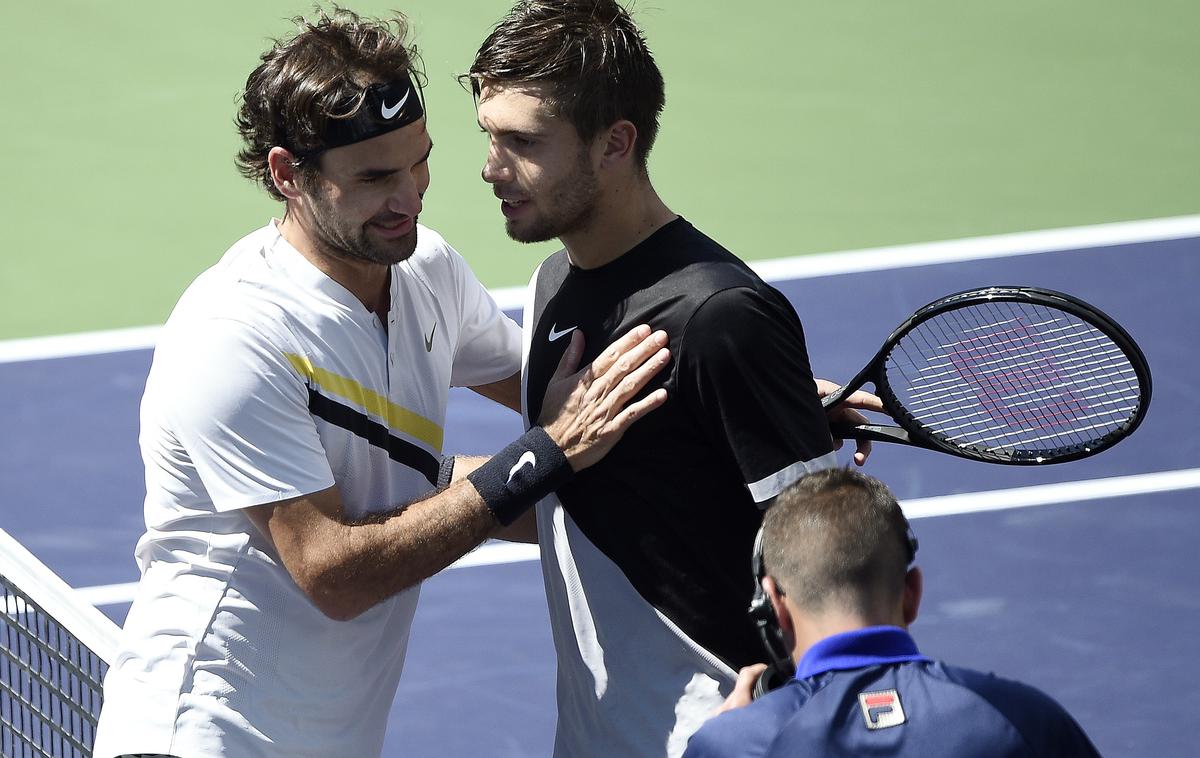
507 132
379 173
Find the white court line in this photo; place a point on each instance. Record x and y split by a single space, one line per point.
1080 238
1050 494
494 553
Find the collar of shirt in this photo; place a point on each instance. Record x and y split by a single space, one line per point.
300 270
872 646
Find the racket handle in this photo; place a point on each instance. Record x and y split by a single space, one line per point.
872 432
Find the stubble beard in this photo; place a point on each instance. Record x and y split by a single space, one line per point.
573 204
344 241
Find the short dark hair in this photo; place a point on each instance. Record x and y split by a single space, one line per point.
320 73
837 536
590 53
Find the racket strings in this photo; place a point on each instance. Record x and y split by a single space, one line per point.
1013 378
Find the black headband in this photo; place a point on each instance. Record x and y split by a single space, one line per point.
385 107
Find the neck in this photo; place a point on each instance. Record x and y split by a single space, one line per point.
625 215
809 629
365 280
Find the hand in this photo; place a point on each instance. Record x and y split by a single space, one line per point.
586 412
743 689
844 412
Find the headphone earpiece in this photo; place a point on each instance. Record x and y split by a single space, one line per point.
764 619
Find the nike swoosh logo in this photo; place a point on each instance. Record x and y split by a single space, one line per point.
388 113
554 334
429 339
527 459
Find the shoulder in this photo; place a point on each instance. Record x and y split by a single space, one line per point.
553 270
749 731
743 300
220 311
1044 724
240 288
546 280
432 246
437 271
433 256
741 322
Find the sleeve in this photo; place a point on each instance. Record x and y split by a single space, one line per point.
489 342
743 369
239 411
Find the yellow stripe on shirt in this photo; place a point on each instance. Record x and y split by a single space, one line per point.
396 417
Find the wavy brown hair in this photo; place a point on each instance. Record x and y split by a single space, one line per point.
319 73
590 53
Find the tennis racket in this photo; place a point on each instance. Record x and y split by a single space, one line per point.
1015 375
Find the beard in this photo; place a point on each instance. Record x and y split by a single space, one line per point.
569 205
351 242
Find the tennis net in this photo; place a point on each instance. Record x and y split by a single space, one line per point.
54 651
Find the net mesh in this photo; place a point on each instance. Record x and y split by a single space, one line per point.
50 676
1014 378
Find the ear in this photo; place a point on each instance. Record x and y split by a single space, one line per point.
782 614
617 143
914 585
285 175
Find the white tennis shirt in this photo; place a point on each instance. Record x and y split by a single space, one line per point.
270 380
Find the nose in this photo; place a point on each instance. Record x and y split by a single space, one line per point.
495 170
407 199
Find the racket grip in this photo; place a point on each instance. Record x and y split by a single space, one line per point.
872 432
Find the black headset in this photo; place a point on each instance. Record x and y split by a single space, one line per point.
780 667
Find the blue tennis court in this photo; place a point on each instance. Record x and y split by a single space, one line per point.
1075 578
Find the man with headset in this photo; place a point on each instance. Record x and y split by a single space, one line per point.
837 591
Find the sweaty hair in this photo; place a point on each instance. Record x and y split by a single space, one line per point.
320 73
590 54
837 537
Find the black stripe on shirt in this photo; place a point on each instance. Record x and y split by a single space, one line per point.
375 433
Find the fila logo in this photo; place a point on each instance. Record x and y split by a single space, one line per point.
389 113
881 709
555 334
527 459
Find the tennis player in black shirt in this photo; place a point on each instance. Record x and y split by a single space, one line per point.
645 555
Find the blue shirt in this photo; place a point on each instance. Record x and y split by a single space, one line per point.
871 692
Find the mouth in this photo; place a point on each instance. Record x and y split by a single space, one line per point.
512 208
394 228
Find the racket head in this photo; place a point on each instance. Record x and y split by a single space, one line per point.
1013 375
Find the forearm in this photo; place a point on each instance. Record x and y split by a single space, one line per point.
383 557
346 567
506 392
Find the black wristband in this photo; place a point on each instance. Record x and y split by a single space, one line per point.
521 474
445 472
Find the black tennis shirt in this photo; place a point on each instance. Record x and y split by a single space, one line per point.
672 503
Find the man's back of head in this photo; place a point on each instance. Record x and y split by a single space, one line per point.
838 541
